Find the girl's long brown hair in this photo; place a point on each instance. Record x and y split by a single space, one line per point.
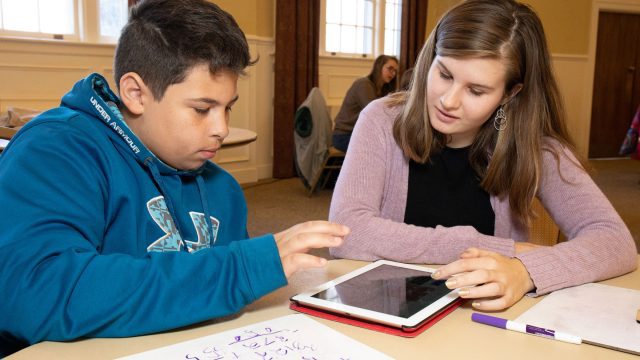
509 162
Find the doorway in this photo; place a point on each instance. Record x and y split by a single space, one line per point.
616 86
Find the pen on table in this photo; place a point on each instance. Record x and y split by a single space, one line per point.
523 328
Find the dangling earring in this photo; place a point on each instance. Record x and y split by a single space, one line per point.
500 121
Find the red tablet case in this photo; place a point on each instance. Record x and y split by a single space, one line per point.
376 326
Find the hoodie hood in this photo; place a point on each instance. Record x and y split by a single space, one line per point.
92 95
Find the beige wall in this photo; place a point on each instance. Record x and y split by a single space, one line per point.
255 17
566 22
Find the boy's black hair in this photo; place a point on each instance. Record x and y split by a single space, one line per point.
163 39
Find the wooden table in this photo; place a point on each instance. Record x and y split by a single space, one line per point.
239 137
5 135
454 337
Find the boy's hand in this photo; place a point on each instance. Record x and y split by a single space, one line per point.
294 242
494 281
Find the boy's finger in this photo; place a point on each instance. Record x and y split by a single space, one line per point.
311 227
306 241
321 226
296 262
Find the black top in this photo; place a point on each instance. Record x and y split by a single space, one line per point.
446 191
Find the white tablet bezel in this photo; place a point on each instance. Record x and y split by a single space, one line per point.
306 298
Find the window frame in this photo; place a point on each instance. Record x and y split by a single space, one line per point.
75 36
384 29
86 27
377 45
102 38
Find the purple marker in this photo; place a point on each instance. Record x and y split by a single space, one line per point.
526 329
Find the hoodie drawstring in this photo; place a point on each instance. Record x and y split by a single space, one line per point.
205 206
158 180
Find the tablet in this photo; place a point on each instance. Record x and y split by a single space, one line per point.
391 293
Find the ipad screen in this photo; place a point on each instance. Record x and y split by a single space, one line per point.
388 289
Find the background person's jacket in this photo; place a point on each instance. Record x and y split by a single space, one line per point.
99 238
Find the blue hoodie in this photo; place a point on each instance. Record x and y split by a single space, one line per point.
99 238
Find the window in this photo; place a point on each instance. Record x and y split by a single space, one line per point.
349 26
113 15
392 24
361 27
35 18
78 20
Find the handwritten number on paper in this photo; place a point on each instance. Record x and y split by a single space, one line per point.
265 344
290 337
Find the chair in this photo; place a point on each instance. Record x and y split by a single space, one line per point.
7 133
332 161
315 158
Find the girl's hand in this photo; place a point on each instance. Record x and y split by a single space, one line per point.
494 280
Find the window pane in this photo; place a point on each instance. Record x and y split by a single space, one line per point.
332 38
360 13
368 41
113 16
57 17
388 42
349 12
396 51
398 15
368 10
359 41
333 11
392 42
347 39
393 14
19 15
393 23
353 32
389 18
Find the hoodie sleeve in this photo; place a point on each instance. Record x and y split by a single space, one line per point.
55 283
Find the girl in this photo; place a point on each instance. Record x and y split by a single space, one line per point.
446 172
380 82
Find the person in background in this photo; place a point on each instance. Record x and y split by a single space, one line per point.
631 143
114 221
447 172
381 81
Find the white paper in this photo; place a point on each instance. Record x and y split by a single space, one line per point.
3 143
288 337
598 313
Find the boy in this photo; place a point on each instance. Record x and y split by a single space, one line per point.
114 223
